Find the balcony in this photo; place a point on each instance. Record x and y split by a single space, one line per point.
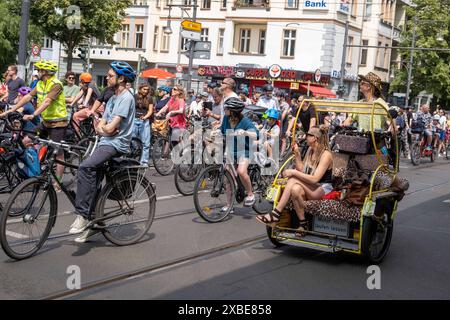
251 4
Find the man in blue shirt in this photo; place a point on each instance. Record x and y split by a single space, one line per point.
115 129
236 124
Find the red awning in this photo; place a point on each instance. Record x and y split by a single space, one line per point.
318 91
157 74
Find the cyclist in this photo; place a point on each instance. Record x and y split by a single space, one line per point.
144 111
196 106
51 105
89 93
227 86
272 130
13 84
71 90
175 112
242 126
164 97
267 101
116 130
424 117
28 108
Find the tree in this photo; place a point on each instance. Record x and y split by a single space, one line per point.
431 69
99 19
9 32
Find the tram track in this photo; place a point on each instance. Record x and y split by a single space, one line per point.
159 267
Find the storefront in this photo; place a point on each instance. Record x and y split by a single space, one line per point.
288 81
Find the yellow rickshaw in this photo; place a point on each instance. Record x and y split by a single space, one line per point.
336 225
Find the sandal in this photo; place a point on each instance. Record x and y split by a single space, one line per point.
303 226
274 218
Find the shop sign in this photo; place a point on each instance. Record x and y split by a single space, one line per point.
315 5
295 86
240 73
344 6
317 75
275 70
347 76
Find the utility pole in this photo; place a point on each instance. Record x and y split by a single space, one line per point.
410 67
341 88
23 38
191 50
179 47
88 67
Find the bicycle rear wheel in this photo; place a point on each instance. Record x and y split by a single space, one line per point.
211 196
27 218
185 176
162 158
126 208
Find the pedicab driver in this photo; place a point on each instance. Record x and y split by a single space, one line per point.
116 130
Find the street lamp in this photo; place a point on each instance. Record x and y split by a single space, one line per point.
167 29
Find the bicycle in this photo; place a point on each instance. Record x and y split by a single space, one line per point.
418 149
31 211
222 179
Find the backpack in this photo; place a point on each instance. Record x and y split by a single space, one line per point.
28 164
417 125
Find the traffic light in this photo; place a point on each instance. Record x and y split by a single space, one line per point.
144 63
82 54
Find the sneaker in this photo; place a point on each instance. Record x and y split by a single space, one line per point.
79 225
225 209
249 201
86 235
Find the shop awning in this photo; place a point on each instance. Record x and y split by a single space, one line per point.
318 91
156 74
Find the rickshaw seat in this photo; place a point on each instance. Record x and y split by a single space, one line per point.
333 209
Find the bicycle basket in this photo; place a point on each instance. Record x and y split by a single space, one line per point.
161 126
123 190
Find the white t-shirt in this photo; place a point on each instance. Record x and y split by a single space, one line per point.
443 121
268 103
196 107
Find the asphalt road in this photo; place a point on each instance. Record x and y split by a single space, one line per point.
230 267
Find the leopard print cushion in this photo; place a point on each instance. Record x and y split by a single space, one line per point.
333 209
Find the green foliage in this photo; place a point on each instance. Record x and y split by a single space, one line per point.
99 19
10 11
431 69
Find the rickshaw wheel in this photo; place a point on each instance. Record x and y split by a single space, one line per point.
376 238
274 241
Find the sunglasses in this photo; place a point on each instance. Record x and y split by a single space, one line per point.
71 78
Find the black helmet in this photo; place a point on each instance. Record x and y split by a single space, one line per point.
268 87
234 104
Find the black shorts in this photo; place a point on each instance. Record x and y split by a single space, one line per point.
55 134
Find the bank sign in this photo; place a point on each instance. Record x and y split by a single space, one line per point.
315 5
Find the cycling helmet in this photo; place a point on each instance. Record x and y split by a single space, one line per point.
234 104
25 90
273 113
86 77
436 117
268 87
165 88
46 65
122 68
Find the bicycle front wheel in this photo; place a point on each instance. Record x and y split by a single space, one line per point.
28 217
214 194
185 176
126 208
161 156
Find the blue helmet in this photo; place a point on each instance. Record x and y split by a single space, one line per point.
122 68
273 113
165 88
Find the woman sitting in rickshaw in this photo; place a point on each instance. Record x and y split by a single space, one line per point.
310 180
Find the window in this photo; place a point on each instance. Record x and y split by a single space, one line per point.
349 50
206 4
368 10
167 2
364 52
125 36
48 43
377 62
292 4
244 45
386 56
187 2
354 8
155 38
158 3
165 41
139 36
289 42
223 4
140 2
220 41
262 41
204 35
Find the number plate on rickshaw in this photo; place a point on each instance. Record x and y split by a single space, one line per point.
339 228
